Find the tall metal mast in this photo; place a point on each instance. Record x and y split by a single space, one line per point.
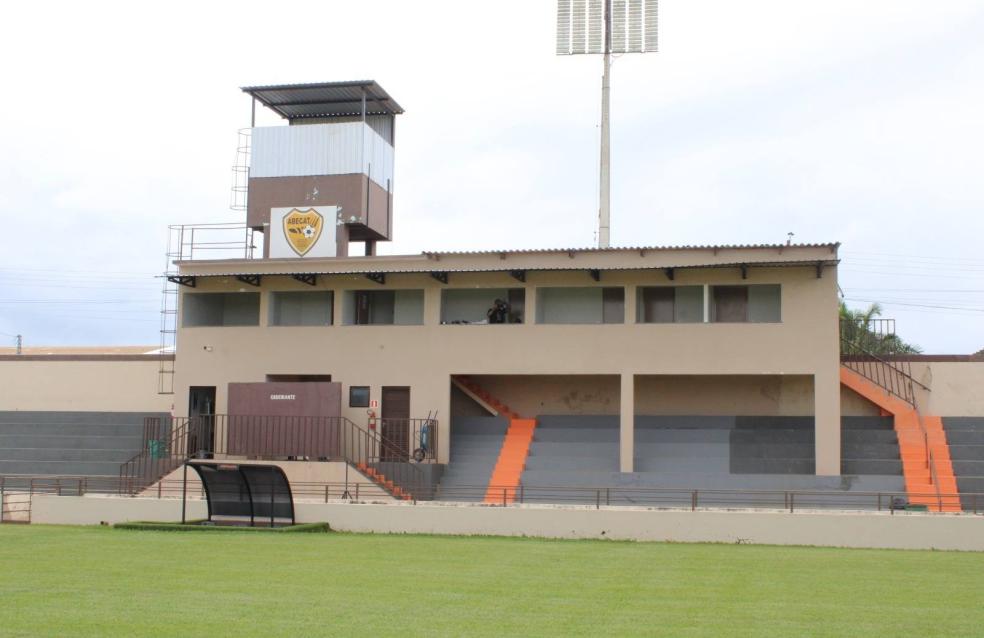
605 176
606 27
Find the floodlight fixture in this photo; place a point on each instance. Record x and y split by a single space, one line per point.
605 27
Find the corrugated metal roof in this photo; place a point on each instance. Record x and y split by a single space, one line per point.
442 268
325 99
622 249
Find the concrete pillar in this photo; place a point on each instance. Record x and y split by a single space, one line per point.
626 434
827 421
432 305
337 307
630 304
530 305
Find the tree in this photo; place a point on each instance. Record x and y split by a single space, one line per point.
859 333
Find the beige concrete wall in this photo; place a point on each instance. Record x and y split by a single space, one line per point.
829 529
106 385
956 388
711 394
424 357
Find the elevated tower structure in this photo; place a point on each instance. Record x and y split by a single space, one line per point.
326 179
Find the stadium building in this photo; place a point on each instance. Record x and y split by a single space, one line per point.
495 375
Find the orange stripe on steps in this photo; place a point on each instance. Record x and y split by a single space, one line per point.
512 461
912 447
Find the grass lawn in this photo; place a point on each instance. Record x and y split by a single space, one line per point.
74 581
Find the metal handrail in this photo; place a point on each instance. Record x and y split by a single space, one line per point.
169 443
592 496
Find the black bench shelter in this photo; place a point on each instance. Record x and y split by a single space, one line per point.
243 493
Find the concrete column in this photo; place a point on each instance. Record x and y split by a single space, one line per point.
530 303
337 301
432 305
265 302
626 435
827 421
630 304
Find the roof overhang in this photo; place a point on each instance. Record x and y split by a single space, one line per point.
816 256
324 99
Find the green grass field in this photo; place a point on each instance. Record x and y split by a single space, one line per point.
74 581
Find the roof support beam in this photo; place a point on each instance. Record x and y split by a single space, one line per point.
744 271
378 277
252 280
310 279
595 274
440 276
670 273
518 275
182 280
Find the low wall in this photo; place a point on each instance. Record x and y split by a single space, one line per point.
875 530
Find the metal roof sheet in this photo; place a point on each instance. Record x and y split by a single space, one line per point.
459 269
324 99
715 247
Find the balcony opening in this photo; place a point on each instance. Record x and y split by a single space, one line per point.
589 305
478 305
670 304
301 308
220 309
746 304
384 307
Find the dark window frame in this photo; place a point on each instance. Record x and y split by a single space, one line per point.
352 399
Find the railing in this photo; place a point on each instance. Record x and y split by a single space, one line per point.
411 438
595 497
213 241
170 443
894 377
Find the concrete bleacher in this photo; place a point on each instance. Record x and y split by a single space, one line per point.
965 436
69 443
681 453
475 445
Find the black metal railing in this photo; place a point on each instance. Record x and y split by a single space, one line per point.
587 496
168 443
411 438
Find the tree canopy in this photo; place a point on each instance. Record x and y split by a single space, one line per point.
862 333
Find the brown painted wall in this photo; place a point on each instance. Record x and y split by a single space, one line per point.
308 399
347 191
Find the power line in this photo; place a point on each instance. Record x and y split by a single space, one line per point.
915 305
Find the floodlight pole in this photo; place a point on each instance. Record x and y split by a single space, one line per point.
605 177
605 186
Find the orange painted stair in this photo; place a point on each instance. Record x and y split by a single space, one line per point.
480 392
380 479
511 463
913 446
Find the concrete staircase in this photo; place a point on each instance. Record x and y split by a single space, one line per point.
704 453
966 438
923 448
476 443
69 443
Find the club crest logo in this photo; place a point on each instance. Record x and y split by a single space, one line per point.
302 229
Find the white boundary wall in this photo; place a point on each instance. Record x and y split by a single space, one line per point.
831 529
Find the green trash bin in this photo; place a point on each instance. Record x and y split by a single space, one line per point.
158 449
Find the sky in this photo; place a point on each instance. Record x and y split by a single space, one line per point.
857 122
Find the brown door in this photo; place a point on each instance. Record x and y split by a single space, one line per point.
395 416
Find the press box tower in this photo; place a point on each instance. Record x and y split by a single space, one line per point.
328 175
